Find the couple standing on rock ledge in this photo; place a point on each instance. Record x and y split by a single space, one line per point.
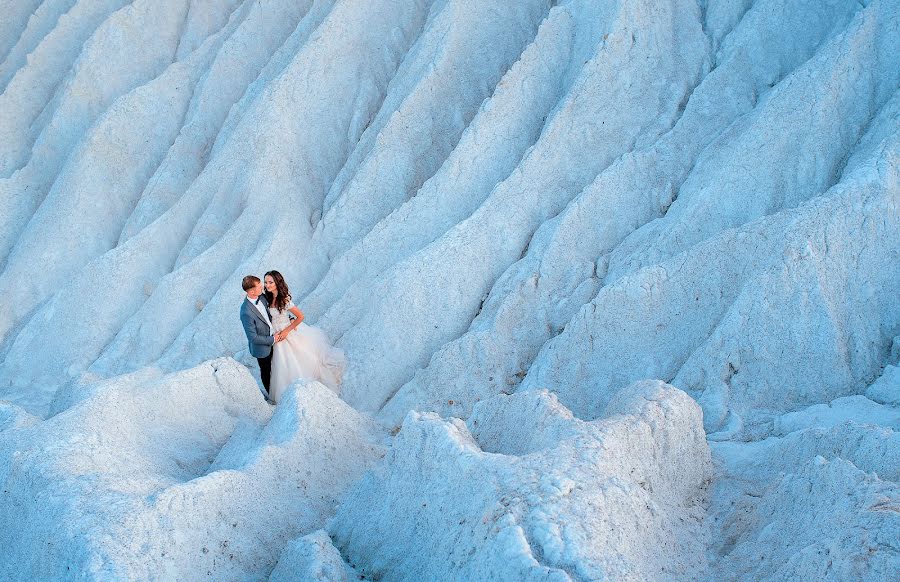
286 348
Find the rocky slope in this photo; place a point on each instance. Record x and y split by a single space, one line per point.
619 285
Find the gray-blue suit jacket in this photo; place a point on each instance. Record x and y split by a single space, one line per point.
259 335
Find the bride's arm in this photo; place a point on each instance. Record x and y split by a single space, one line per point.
298 319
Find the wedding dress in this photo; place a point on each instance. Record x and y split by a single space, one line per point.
306 353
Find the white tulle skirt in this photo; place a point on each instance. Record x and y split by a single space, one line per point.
306 353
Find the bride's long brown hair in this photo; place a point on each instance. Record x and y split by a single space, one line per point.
280 301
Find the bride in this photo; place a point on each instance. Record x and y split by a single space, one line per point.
302 351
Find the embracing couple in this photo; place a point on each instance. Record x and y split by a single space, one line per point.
286 348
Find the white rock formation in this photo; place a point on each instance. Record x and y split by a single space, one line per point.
532 493
817 503
568 257
183 477
504 213
313 557
801 298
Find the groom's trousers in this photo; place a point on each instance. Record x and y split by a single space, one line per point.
265 370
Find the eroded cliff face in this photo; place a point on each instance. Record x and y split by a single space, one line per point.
617 282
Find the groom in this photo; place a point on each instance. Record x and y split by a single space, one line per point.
258 327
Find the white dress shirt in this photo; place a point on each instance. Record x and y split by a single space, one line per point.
261 308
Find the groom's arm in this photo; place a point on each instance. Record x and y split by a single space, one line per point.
252 335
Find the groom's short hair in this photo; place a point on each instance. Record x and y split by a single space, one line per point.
249 282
